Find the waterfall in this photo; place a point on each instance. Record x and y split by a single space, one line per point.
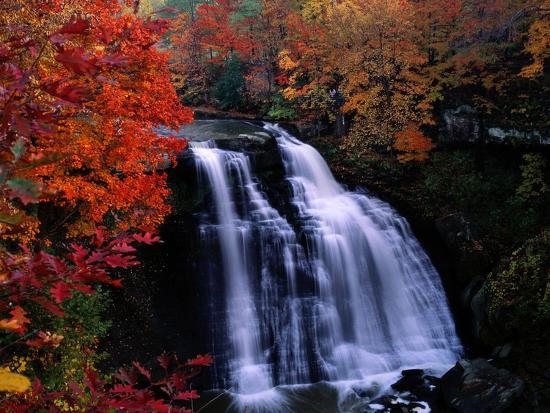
339 289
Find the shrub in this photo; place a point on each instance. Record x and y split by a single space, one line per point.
520 289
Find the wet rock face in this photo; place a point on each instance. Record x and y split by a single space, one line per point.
466 249
460 125
415 386
464 125
478 387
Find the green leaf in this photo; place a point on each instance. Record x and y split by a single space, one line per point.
25 189
11 219
18 149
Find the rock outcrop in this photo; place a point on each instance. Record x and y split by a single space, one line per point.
478 387
464 125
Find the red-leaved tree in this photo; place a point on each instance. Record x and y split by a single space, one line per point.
82 89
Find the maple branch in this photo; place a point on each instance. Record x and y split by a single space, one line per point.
226 391
28 335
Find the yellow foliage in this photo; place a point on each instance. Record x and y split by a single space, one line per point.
13 382
539 48
375 49
286 62
313 10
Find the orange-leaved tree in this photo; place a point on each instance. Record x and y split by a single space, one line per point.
99 68
373 47
202 40
309 74
412 144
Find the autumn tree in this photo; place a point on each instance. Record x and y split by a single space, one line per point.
308 73
483 53
373 48
266 22
111 89
228 90
412 144
82 89
204 38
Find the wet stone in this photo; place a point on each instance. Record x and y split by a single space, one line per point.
412 372
407 383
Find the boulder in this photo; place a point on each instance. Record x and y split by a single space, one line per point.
502 352
394 404
410 380
415 385
478 387
500 135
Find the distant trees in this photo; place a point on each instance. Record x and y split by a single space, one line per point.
394 62
488 55
376 52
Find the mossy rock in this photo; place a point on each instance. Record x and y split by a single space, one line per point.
518 293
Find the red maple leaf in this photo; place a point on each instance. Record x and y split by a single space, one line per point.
148 238
142 370
187 395
77 61
79 254
164 360
115 60
48 305
116 283
61 291
120 261
71 93
123 248
201 360
120 388
75 27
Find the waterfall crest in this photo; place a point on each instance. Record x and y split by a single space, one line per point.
340 289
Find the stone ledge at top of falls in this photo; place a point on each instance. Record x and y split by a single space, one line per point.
248 137
245 136
222 130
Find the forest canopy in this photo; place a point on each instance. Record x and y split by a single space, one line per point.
389 65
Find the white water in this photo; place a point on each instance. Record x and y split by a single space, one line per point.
356 298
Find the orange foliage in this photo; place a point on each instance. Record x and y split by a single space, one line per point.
83 88
98 68
412 145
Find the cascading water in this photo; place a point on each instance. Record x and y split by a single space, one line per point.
260 259
342 292
381 300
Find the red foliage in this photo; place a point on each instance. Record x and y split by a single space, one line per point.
218 34
81 99
136 390
49 280
82 89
